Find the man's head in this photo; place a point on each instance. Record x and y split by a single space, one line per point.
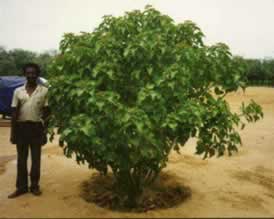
31 71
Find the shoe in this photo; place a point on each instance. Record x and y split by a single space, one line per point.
36 191
17 193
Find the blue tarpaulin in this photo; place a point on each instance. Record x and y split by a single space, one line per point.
7 86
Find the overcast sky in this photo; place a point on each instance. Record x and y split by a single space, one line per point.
246 26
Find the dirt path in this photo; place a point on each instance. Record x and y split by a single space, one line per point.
239 186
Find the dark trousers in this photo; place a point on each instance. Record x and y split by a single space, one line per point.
22 169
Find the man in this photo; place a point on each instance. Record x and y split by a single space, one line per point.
28 129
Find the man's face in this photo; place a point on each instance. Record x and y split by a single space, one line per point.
31 75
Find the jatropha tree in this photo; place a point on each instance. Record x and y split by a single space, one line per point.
139 86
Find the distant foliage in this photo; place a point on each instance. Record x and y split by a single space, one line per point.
12 61
260 72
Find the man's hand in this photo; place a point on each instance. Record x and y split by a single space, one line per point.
13 134
13 139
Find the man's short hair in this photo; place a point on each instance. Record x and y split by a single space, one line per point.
32 65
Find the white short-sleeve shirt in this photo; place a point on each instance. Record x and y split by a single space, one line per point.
30 105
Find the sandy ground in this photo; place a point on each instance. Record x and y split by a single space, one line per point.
237 186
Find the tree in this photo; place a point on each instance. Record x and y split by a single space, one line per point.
268 65
21 57
11 62
139 86
44 59
7 66
260 72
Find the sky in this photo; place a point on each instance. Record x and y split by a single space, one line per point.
246 26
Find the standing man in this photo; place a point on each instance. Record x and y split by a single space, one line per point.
28 129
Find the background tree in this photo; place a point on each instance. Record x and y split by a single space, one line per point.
260 72
269 70
7 65
21 57
44 59
12 61
139 86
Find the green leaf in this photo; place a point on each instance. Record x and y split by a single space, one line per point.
149 70
100 105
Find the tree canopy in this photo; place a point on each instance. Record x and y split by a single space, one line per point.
139 86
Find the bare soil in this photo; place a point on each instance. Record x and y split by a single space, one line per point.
165 192
237 186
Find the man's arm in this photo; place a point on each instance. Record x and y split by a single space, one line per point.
14 116
45 116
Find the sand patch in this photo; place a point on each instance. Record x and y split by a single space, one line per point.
4 160
241 201
260 176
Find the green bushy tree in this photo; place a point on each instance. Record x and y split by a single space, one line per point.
139 86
